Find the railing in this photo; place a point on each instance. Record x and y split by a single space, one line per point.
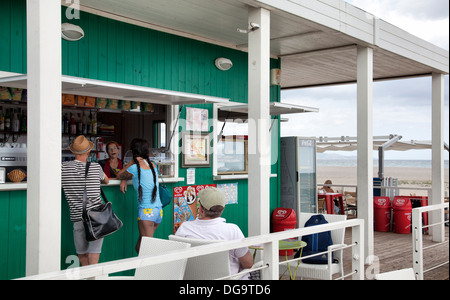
389 191
417 237
270 255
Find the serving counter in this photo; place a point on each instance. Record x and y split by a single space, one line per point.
112 182
13 224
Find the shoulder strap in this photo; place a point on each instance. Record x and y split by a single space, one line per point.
84 192
159 172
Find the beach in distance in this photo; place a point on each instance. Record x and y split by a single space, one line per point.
407 177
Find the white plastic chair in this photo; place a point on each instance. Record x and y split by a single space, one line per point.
165 271
210 266
325 271
404 274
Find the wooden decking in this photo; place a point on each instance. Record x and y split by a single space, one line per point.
394 252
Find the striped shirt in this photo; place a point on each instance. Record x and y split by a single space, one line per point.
72 181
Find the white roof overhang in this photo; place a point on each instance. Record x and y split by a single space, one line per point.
275 109
392 142
316 40
120 91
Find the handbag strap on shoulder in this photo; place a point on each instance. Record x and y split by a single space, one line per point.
85 192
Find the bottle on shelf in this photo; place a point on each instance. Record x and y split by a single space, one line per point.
15 122
89 123
2 119
65 124
23 121
84 124
7 120
94 124
79 125
73 125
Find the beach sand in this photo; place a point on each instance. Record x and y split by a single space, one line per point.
407 177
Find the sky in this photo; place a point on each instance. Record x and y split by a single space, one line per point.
400 107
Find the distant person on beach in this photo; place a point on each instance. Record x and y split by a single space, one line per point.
327 187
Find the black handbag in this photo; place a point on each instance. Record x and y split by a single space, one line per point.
164 194
99 221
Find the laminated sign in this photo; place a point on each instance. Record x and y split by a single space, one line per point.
185 204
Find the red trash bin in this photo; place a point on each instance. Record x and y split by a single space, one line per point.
402 214
284 219
382 214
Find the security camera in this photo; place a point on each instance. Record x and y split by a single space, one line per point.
254 26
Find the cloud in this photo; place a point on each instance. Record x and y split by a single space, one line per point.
430 10
428 20
399 106
418 10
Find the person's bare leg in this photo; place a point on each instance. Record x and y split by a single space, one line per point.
84 259
88 259
146 228
93 258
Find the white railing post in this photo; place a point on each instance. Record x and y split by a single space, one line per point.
358 252
417 235
417 243
270 257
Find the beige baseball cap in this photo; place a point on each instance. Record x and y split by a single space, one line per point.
210 197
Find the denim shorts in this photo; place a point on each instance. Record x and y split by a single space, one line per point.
150 214
82 246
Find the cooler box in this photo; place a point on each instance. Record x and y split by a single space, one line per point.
402 214
284 219
382 214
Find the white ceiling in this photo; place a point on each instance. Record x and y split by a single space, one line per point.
311 54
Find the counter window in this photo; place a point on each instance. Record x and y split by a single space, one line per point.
232 155
232 147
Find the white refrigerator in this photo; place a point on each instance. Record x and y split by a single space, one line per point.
298 182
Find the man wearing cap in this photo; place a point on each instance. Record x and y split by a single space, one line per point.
210 226
73 182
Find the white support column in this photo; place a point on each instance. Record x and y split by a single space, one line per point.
437 135
44 137
259 123
365 144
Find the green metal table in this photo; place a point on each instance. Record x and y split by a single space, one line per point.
284 245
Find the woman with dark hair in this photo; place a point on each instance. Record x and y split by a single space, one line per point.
145 182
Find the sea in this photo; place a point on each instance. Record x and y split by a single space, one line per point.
387 163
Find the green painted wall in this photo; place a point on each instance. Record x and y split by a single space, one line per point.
119 52
13 223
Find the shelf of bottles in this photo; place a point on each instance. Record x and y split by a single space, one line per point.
13 118
80 122
13 122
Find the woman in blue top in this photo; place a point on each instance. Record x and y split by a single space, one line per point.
145 181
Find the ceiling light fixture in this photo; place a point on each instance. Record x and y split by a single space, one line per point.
71 32
223 64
